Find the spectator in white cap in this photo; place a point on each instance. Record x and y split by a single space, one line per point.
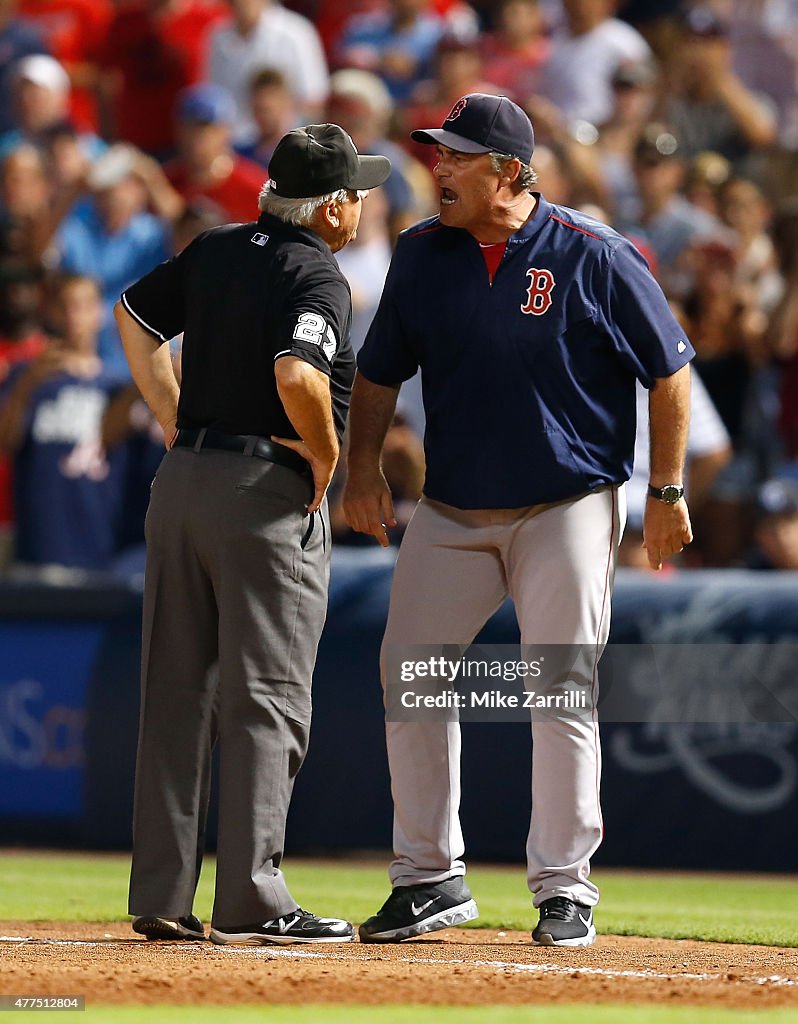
360 103
41 102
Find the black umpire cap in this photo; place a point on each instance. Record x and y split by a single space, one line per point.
319 159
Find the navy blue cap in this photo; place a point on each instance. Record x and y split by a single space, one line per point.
480 123
206 103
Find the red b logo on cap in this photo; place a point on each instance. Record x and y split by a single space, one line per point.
456 110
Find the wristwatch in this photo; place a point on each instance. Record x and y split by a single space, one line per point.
670 493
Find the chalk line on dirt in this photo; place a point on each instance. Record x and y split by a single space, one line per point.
270 953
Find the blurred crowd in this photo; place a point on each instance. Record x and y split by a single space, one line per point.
127 127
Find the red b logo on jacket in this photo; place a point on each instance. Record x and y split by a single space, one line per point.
538 294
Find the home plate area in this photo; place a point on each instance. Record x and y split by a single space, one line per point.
108 964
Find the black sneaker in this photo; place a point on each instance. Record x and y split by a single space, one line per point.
298 926
413 910
564 923
166 929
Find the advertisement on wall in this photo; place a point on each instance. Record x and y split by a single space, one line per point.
44 676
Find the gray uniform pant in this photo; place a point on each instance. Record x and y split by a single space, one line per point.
454 569
235 578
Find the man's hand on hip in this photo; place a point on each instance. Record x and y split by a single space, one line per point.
305 394
322 468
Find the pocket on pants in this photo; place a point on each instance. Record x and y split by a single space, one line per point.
271 526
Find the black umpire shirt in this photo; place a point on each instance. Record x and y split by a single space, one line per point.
243 295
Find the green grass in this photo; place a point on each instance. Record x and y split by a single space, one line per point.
748 909
343 1014
751 909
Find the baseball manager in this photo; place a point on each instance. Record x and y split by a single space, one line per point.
238 536
531 324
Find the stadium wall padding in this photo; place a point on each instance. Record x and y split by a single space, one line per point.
721 796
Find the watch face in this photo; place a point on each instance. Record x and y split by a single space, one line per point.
671 493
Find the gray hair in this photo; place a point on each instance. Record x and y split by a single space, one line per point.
299 212
526 176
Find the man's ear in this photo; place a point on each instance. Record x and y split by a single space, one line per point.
330 214
509 173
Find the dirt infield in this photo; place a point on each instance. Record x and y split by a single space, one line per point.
107 964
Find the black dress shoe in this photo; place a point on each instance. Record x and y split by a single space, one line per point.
165 928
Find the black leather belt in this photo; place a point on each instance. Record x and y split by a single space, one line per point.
245 444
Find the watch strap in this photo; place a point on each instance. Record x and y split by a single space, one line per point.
670 493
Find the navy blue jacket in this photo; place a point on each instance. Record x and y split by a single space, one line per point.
528 382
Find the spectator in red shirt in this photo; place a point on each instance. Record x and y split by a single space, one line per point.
458 71
513 55
154 49
74 32
206 165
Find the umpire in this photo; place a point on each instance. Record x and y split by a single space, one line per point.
238 536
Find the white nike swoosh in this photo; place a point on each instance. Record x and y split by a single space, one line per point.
420 910
587 922
286 924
